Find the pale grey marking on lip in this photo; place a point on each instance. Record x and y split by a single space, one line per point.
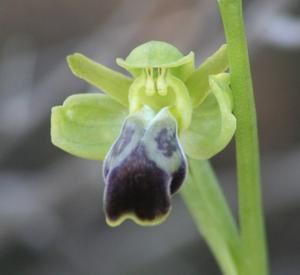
144 167
138 123
164 159
131 133
166 142
158 136
178 176
123 141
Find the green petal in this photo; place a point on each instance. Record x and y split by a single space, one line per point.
197 83
213 123
86 125
107 80
183 105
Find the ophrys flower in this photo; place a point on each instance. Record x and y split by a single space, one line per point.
145 124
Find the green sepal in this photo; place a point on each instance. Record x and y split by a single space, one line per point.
186 68
107 80
86 125
198 83
213 124
157 54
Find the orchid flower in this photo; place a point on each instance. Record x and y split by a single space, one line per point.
145 127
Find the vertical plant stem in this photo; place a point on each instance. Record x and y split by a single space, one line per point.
210 211
247 151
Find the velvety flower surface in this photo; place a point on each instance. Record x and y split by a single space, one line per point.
143 168
145 125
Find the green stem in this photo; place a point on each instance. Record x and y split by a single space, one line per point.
205 200
249 191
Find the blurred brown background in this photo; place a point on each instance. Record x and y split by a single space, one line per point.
51 220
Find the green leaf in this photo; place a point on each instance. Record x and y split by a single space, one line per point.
197 83
107 80
86 125
213 123
208 206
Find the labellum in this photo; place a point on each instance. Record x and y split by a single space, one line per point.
144 167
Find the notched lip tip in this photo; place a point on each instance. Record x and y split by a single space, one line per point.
132 217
